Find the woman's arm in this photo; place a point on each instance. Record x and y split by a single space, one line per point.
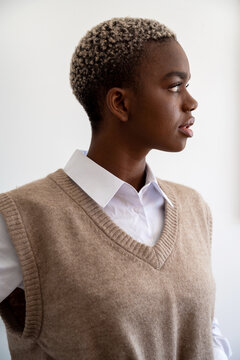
221 346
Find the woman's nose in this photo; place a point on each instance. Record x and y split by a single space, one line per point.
190 103
195 104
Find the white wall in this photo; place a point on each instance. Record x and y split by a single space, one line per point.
42 122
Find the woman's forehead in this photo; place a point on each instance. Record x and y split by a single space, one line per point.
167 58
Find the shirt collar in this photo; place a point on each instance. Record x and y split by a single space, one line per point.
100 184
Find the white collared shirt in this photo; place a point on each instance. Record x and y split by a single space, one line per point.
140 214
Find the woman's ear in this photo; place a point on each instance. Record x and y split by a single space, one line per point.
118 102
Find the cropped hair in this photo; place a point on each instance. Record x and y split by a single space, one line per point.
108 56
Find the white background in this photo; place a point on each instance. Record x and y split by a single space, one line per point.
41 122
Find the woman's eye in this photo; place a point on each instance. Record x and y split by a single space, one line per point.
175 88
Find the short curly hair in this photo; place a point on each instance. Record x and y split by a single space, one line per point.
108 56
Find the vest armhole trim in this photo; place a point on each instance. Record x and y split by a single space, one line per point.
22 244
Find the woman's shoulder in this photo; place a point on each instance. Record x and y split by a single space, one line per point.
182 190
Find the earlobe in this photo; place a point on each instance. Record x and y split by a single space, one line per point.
118 103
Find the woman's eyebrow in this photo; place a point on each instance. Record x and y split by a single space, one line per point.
181 74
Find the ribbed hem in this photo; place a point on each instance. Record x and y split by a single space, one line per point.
154 255
21 243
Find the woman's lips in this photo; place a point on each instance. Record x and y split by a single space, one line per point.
186 131
184 128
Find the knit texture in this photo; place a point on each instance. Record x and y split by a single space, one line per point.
93 292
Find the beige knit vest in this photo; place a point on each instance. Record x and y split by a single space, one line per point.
92 292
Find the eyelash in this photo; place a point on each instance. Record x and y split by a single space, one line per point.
178 84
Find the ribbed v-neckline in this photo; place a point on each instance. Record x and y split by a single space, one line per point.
154 255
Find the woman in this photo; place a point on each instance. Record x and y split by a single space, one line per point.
116 263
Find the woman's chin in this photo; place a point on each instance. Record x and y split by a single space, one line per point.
176 147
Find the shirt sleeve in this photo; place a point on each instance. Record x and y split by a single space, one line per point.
221 346
10 270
